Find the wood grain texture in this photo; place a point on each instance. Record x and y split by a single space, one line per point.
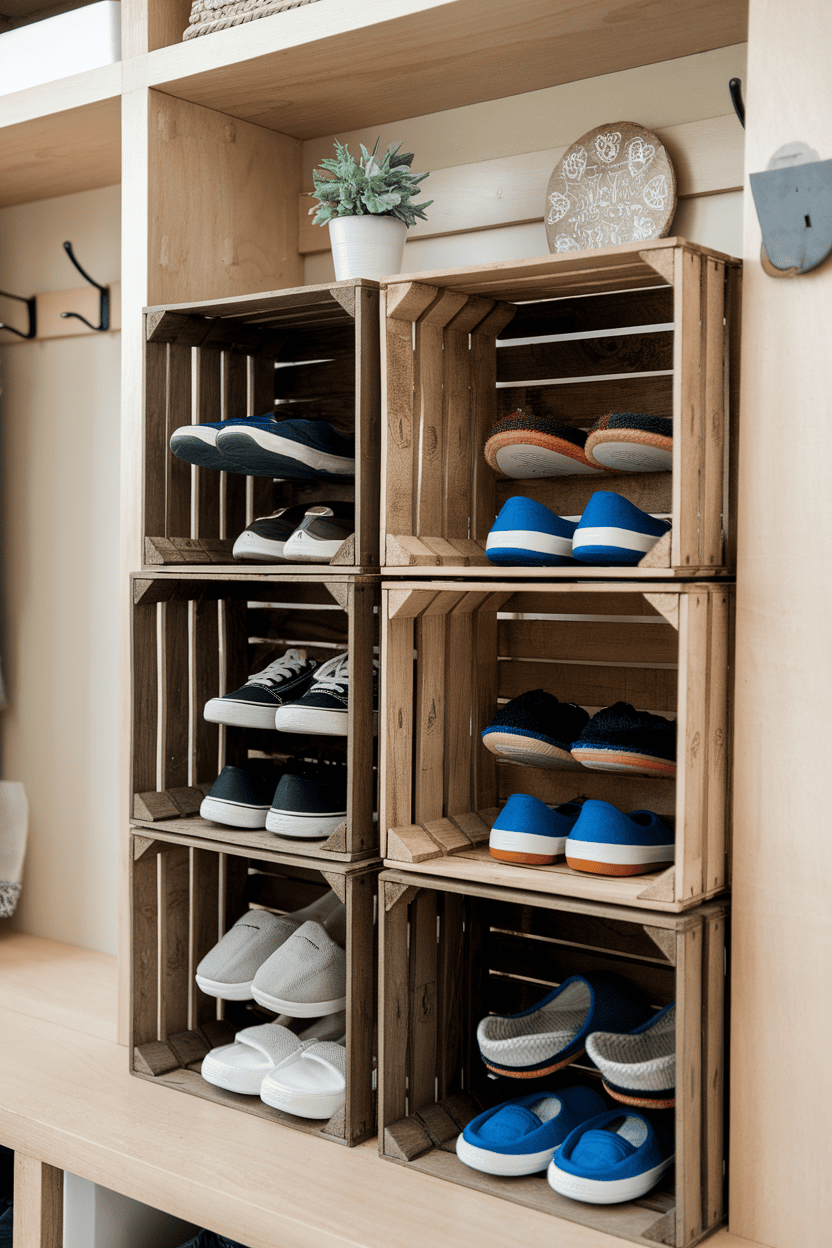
38 1203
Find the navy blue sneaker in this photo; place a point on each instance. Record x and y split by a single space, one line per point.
324 708
536 730
241 796
528 831
612 530
527 534
605 841
265 538
197 444
254 704
309 805
617 1156
620 738
296 450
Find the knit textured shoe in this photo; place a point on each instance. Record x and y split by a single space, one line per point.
639 1067
605 841
527 534
553 1033
321 533
522 1136
524 445
253 705
296 450
197 444
528 831
306 977
617 1156
631 442
536 730
612 530
620 738
265 538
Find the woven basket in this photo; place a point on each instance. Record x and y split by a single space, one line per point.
210 15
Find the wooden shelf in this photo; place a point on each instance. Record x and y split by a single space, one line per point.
61 137
345 64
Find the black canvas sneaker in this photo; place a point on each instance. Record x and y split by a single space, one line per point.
264 539
254 705
324 708
321 533
240 796
310 805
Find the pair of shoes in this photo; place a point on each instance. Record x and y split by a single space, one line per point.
610 531
595 836
301 1074
300 534
524 445
308 803
293 964
536 730
261 446
293 694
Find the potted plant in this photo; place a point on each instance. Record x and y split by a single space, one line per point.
367 205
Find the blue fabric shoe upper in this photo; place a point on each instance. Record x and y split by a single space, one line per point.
606 510
540 715
520 520
523 813
603 823
598 1150
515 1127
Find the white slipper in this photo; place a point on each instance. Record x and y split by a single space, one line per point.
243 1065
315 1086
306 977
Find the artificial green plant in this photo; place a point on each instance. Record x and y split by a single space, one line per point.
349 188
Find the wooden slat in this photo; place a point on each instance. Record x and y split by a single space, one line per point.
422 1039
234 382
359 1116
173 660
483 358
144 950
395 724
394 1013
648 689
589 357
576 316
718 808
203 907
713 424
204 678
427 482
178 412
38 1203
483 705
588 641
145 699
450 1024
457 419
713 1069
689 1073
360 736
460 735
205 520
694 746
156 451
174 970
515 960
367 425
687 408
625 792
581 403
568 496
429 718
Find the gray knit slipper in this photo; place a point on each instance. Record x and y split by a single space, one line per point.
306 977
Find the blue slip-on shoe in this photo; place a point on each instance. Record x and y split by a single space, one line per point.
528 831
605 841
631 442
639 1067
615 1157
536 730
241 796
197 444
527 534
551 1034
521 1136
294 450
620 738
612 530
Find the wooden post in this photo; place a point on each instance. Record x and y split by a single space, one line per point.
38 1204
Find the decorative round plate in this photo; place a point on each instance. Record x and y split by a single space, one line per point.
615 185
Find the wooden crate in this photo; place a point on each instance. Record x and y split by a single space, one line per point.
500 951
314 352
664 648
185 893
195 638
462 347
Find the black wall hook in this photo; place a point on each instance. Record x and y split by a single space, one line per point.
735 89
104 306
31 305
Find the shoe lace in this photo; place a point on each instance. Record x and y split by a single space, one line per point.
289 664
334 675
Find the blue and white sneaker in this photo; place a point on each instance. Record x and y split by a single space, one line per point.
296 450
528 831
527 534
612 530
324 709
536 730
522 1136
605 841
241 796
310 805
639 1067
197 444
552 1033
617 1156
253 705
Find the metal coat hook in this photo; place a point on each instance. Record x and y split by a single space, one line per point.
735 89
104 307
31 305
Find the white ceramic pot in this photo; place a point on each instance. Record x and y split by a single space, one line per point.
369 246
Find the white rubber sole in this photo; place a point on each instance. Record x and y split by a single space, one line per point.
303 549
226 992
633 457
239 714
621 539
319 461
234 815
298 1009
302 1104
530 539
208 436
259 549
618 855
529 752
526 842
293 718
313 827
246 1080
484 1160
525 462
599 1192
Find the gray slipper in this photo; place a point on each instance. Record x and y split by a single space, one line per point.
306 977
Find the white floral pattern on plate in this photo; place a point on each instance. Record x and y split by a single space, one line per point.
606 146
639 156
560 207
574 164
